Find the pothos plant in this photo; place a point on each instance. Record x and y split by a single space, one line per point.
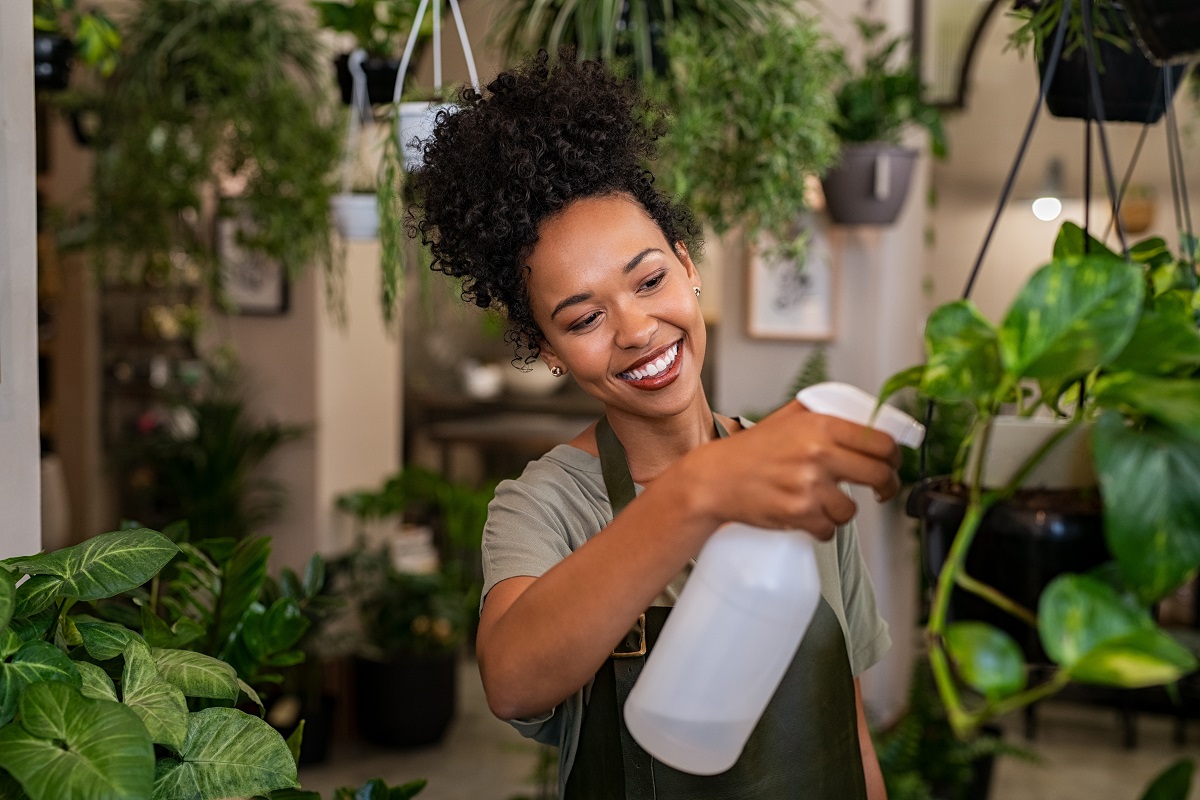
1109 342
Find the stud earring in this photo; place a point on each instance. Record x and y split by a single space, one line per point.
557 372
696 289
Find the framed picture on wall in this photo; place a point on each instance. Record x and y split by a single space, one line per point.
253 283
790 300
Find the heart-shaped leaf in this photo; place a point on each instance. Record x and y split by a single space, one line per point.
227 753
1070 243
36 594
67 745
1135 660
159 703
987 658
96 683
105 640
1071 317
105 565
197 675
1148 481
1173 783
34 662
1163 342
1076 613
963 354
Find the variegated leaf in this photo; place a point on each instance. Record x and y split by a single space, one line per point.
160 704
197 675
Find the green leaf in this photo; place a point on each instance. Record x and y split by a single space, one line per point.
1135 660
987 658
36 594
248 690
197 675
11 790
294 741
70 746
1173 783
8 594
158 634
9 643
314 576
1175 402
34 662
227 753
1071 317
1148 481
159 703
105 640
244 574
963 355
905 379
105 565
34 627
96 683
1163 342
1070 244
1076 613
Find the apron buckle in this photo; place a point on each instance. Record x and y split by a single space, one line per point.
640 629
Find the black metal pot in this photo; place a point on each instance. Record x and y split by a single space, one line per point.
381 78
52 57
1020 547
408 701
1168 30
1130 84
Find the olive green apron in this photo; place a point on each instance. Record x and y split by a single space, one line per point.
804 746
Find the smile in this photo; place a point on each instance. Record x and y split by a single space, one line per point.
649 370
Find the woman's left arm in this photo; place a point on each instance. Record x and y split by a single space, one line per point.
875 787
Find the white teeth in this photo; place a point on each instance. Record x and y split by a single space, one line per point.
654 367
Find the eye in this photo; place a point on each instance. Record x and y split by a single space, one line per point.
585 323
655 280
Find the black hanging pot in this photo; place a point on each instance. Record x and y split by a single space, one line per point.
52 57
381 78
1021 546
869 184
1168 30
408 701
1130 84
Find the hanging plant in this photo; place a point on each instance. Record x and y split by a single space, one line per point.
215 99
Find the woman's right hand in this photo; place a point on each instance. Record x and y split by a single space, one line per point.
786 471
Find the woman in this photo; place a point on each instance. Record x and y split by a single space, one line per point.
536 195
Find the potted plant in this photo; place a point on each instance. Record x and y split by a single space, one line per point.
742 144
214 106
1102 341
1131 86
61 32
634 31
876 104
379 30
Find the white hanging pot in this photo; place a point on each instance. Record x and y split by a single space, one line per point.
417 120
356 215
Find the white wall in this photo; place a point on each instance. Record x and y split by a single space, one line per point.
20 511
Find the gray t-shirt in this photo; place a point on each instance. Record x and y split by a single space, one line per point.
560 502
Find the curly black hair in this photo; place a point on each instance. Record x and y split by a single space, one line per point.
543 135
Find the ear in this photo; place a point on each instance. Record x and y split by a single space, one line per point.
548 356
685 258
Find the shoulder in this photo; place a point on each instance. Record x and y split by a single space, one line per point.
563 488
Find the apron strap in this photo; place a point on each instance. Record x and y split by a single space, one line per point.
630 655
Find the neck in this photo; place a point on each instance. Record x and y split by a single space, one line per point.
653 444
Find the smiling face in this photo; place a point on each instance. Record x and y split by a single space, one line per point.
616 304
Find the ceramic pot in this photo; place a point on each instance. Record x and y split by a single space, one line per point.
869 184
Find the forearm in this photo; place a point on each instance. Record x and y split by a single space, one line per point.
540 642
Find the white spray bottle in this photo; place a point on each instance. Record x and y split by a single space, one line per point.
738 623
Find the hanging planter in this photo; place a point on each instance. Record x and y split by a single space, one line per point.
415 123
380 75
869 184
1168 30
1130 84
52 57
356 215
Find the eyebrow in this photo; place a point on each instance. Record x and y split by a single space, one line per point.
575 299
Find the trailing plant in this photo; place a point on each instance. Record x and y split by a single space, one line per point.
96 39
879 100
742 142
1110 342
632 31
216 109
1038 19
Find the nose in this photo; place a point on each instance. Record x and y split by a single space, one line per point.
635 328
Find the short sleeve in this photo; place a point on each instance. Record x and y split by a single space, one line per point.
520 537
867 630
